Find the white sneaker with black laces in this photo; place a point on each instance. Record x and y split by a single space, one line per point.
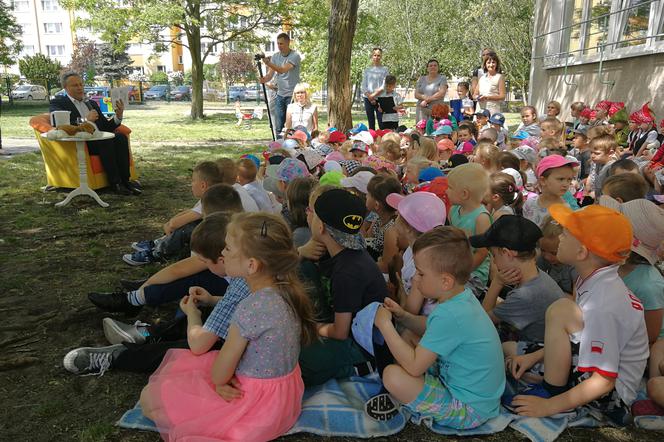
92 360
118 332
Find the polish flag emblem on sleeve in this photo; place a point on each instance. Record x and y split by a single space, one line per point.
596 347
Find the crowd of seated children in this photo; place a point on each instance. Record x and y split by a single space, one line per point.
474 258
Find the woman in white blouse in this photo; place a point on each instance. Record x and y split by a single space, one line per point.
490 90
302 112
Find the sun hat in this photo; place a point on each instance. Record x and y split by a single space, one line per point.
336 137
605 232
520 135
298 135
350 166
445 144
359 127
364 136
330 166
526 153
429 173
331 178
360 180
518 179
647 224
497 118
511 232
343 214
421 210
442 130
289 169
553 162
311 158
364 330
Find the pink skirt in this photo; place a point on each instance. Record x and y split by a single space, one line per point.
186 406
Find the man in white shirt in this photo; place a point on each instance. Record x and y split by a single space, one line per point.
113 153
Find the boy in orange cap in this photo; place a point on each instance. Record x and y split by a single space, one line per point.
595 349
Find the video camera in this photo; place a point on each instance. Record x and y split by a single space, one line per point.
258 57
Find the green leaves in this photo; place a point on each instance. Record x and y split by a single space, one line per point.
40 69
10 36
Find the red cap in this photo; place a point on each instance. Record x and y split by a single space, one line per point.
337 137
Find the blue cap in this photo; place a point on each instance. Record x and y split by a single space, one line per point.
303 129
332 129
290 144
364 331
520 135
483 113
497 118
359 127
253 158
443 130
429 174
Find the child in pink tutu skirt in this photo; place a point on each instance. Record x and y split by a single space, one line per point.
251 389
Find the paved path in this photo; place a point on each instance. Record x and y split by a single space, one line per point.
16 146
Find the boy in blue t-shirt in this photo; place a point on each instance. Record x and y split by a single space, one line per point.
454 375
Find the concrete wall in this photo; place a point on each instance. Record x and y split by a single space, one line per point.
637 79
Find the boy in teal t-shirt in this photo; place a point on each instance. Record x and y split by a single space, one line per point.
455 374
467 185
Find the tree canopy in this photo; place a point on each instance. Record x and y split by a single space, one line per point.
10 36
40 69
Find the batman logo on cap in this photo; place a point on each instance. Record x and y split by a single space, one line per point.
353 222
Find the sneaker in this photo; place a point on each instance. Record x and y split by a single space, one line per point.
139 258
91 360
381 407
131 284
115 302
118 332
646 407
530 390
139 246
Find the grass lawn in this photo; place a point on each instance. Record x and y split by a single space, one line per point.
52 257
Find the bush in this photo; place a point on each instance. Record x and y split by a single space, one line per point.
159 78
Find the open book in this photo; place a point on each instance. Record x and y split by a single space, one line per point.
120 93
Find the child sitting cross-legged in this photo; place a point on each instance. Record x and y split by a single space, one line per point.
177 230
454 375
512 242
595 350
252 388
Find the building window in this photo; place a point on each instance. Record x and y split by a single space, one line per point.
50 5
634 25
26 28
28 50
205 45
52 28
161 68
270 46
55 50
21 5
597 30
180 61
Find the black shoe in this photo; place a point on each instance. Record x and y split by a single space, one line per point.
134 190
114 302
381 407
130 285
120 190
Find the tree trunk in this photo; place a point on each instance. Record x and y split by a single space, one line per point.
194 38
341 31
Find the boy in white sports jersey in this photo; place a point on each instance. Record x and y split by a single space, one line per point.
602 337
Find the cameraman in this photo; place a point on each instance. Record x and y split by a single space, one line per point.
286 65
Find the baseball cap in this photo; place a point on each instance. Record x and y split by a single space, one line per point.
647 222
343 214
290 144
275 159
520 135
304 130
605 232
289 169
364 137
372 133
298 135
442 130
429 173
497 118
421 210
311 158
363 328
336 137
581 131
457 160
274 145
525 153
445 144
483 113
518 179
333 165
359 145
331 178
553 162
360 180
359 127
511 232
253 158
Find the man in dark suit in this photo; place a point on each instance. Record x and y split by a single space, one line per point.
113 153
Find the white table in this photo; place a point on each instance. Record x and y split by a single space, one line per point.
83 188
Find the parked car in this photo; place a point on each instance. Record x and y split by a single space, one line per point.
134 93
60 93
252 93
157 92
181 93
237 93
29 92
